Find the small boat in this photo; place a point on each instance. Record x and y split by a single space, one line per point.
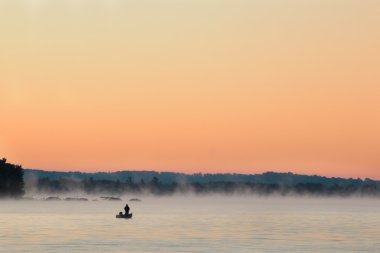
125 216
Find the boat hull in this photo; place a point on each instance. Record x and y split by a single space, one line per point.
123 216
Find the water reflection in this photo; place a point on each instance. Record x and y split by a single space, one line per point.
192 224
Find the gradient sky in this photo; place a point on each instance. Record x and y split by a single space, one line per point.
191 86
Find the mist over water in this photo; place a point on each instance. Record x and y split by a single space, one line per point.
192 224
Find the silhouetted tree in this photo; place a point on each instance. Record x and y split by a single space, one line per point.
11 180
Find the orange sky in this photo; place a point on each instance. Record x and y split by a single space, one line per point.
193 86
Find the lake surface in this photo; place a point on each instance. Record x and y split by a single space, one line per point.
192 224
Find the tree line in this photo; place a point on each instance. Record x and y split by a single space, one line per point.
167 183
157 187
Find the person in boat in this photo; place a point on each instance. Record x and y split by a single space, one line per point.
126 209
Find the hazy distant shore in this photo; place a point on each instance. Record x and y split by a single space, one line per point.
169 183
18 183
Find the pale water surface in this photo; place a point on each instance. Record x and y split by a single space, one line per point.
192 224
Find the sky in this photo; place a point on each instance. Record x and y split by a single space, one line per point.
243 86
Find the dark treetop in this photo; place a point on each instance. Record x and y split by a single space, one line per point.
11 180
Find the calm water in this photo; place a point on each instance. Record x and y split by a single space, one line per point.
192 224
